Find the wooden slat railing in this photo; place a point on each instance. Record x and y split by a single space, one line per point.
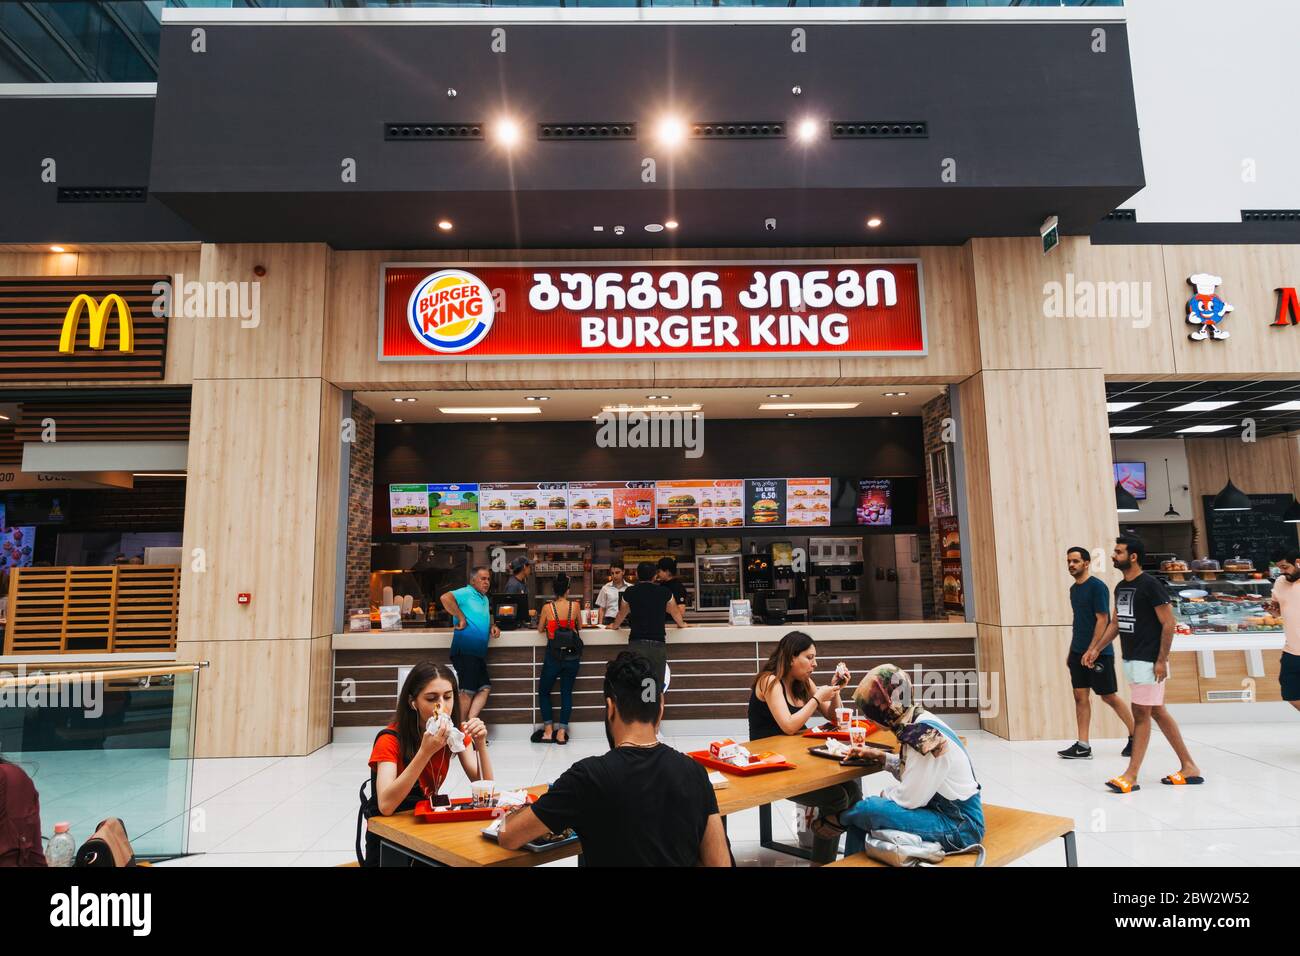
92 610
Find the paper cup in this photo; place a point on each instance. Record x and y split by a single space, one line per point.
843 717
857 735
482 792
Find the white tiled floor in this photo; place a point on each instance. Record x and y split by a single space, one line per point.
301 811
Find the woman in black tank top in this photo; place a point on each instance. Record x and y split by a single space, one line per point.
790 668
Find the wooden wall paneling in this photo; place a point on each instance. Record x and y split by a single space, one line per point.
159 420
330 481
1268 466
988 650
288 340
251 500
1231 674
1012 281
254 698
1041 701
1183 686
320 709
979 515
38 263
1250 275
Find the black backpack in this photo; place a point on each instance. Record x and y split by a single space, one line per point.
565 643
370 808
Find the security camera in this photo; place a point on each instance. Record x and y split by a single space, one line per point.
769 225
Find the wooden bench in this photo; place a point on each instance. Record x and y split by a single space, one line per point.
1009 834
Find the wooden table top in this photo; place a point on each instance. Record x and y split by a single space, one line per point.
463 844
810 773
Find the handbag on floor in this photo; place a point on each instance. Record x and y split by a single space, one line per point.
108 846
898 848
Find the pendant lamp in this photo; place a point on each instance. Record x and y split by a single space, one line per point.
1231 498
1171 513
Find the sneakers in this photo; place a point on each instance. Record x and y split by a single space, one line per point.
1128 749
1076 751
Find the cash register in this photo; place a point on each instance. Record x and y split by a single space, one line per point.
774 609
507 609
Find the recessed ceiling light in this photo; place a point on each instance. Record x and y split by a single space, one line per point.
494 419
895 394
506 132
597 228
695 407
1202 406
1120 406
444 225
895 413
1201 429
661 398
1284 407
654 227
57 249
789 414
873 222
670 224
537 398
491 410
806 131
401 400
778 394
809 406
671 131
397 421
1127 429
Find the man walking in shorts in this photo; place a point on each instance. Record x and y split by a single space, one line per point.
1144 623
1090 602
1286 592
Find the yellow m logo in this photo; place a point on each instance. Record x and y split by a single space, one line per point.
98 323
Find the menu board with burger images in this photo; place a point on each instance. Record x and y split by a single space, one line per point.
874 502
950 563
453 507
408 508
634 505
808 502
700 503
591 504
524 506
764 502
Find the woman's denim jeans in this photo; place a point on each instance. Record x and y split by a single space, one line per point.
567 672
953 824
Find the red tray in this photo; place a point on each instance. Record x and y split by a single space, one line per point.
459 812
871 726
706 758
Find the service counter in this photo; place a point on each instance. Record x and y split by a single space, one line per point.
712 666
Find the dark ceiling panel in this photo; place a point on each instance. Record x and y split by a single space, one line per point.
1156 413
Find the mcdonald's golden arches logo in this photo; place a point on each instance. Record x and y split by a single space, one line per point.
98 312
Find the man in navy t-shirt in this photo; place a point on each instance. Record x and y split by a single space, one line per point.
1090 601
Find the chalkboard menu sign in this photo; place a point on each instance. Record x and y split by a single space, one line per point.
1253 534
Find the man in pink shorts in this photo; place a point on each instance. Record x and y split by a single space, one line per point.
1144 623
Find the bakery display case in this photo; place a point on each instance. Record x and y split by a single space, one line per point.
1210 597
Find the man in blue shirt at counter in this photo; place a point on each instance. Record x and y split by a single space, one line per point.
472 613
1090 601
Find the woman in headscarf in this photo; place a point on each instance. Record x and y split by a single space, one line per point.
935 794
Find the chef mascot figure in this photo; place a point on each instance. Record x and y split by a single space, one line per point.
1206 309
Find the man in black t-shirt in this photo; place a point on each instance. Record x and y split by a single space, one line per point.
666 577
642 803
646 605
1144 622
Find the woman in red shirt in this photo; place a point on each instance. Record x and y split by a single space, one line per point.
407 760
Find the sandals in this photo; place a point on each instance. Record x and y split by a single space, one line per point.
537 737
1176 779
1122 785
556 739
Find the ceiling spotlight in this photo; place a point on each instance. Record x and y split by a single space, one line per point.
778 394
537 398
494 419
806 131
671 131
670 224
444 225
789 415
895 413
506 132
659 397
397 421
796 90
619 230
597 228
873 222
654 227
57 249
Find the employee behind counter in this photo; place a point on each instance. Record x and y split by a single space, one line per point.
646 606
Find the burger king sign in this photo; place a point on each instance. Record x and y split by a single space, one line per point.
450 311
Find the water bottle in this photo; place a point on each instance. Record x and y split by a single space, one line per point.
63 848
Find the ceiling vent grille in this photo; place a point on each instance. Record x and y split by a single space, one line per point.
586 131
430 132
103 193
772 130
879 129
1270 215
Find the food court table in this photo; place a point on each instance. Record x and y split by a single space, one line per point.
403 840
811 773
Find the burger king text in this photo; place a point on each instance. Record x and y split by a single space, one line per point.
696 331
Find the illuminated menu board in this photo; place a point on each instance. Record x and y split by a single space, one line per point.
874 505
679 504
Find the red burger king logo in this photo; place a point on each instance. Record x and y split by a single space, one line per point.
450 311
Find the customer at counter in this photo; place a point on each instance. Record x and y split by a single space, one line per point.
607 600
519 569
935 796
471 613
1286 592
642 803
666 576
561 659
783 699
646 606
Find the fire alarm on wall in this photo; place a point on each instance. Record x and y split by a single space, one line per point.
245 598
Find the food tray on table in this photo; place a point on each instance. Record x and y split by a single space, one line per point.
849 762
755 766
458 811
826 730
